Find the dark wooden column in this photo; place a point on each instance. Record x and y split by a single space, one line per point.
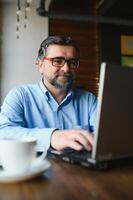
84 32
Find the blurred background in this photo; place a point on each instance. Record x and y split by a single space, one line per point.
102 28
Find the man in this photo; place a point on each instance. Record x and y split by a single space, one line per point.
51 110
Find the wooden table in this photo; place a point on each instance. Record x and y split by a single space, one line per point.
64 181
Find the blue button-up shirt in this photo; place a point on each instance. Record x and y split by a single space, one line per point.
31 110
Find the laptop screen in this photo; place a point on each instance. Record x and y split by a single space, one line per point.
114 128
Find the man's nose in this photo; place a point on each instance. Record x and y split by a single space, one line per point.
66 67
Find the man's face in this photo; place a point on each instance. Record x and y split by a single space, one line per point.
59 77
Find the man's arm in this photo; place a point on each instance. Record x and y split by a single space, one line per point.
59 139
8 130
12 123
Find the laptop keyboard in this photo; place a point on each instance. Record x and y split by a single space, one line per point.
79 155
72 156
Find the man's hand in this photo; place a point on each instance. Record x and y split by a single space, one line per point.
72 138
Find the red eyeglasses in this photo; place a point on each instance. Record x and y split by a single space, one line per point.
59 62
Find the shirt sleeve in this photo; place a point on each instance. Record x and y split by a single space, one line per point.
12 122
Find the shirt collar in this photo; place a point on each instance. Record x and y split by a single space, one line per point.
44 89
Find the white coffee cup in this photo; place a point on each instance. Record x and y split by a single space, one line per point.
17 155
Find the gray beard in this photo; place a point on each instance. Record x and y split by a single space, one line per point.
62 86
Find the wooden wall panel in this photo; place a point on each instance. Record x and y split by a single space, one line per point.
86 34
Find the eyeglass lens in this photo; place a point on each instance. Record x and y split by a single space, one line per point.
59 62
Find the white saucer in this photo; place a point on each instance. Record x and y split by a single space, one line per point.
34 171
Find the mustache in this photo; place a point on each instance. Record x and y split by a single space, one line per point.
64 74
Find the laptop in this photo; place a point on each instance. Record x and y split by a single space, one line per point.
113 138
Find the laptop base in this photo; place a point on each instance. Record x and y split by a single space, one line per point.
82 158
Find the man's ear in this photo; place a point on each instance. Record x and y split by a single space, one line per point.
40 66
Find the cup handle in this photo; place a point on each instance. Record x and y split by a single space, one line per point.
0 164
40 158
1 167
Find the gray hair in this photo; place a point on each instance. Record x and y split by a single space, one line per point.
59 40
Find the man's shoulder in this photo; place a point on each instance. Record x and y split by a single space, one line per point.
26 87
85 98
23 89
83 93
